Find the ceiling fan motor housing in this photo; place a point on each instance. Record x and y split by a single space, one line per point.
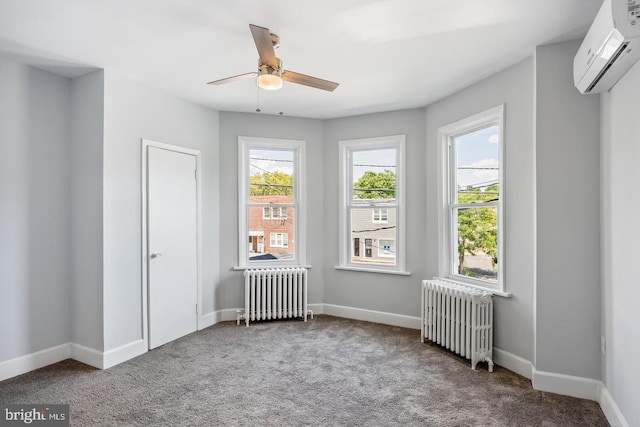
269 78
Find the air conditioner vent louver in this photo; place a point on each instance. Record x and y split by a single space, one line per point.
607 67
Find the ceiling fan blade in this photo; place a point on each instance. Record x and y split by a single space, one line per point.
303 79
264 44
232 79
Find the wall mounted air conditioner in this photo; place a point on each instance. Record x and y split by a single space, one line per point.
610 48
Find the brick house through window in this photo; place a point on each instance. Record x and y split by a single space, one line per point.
271 227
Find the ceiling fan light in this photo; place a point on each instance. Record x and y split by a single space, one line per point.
269 81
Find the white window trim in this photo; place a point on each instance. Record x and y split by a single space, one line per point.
345 179
492 116
246 143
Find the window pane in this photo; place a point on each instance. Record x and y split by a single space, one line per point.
373 242
477 235
271 173
271 238
374 174
477 164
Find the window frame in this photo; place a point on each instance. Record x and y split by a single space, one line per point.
447 230
346 148
299 205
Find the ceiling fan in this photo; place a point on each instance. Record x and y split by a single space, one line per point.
270 73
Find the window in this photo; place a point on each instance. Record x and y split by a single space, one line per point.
279 240
380 215
274 212
471 231
372 207
271 207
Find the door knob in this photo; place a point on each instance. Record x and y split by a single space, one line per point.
155 255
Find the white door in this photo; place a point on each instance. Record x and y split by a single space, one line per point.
172 244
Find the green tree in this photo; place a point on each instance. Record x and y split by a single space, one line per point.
271 184
373 185
477 227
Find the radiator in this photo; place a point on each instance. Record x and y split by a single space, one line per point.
275 293
459 318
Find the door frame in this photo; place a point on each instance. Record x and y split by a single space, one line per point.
145 144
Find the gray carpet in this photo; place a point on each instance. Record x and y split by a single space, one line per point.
325 372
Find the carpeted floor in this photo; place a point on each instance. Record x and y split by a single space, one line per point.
325 372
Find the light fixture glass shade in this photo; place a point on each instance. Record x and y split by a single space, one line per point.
269 81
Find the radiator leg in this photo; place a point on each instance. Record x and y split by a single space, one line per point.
240 316
474 363
310 313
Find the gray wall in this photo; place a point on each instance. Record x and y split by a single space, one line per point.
513 87
34 210
375 291
620 173
71 204
85 154
568 244
133 111
230 290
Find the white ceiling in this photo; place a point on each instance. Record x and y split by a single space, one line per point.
386 54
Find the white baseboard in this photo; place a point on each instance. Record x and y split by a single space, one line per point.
230 314
610 409
23 364
372 316
316 308
86 355
225 315
208 319
517 364
123 353
569 385
584 388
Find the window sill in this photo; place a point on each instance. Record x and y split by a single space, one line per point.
264 267
372 270
482 288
